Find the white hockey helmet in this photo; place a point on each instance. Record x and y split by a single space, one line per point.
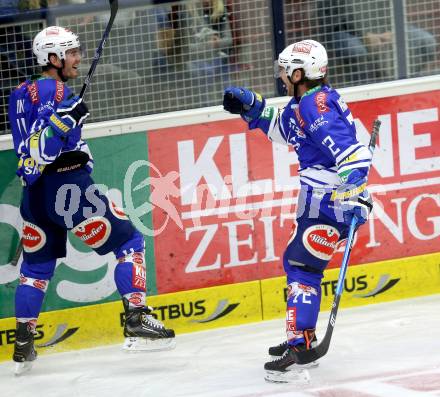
54 40
308 55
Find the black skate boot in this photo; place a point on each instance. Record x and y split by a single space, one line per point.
24 350
278 350
284 369
143 332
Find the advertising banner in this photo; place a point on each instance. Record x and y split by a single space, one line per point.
83 277
228 194
364 284
102 324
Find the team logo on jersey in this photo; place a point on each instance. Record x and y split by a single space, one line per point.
59 93
33 237
299 118
321 241
93 231
117 211
33 92
321 102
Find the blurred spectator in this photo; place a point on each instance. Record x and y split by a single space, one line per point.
209 41
16 58
359 33
343 40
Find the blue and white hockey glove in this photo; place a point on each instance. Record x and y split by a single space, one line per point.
71 113
244 102
354 198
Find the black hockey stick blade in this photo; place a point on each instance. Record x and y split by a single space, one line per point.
98 53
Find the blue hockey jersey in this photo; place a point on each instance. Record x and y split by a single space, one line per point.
30 106
321 128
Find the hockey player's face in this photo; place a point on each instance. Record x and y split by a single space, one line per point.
71 63
289 86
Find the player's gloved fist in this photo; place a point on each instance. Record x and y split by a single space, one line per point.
354 199
71 113
244 102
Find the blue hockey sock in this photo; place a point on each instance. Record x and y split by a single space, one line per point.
29 297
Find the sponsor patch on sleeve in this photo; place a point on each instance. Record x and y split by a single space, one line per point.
321 102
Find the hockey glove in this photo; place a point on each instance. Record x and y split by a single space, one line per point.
71 113
244 102
354 199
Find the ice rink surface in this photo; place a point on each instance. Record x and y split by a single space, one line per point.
387 350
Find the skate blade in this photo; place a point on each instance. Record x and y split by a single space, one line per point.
297 375
21 368
136 344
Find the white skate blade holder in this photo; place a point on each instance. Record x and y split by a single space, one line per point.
137 344
296 375
21 368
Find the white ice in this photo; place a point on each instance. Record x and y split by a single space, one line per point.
387 350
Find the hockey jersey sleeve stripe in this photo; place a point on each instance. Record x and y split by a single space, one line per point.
317 167
318 184
348 152
321 177
358 159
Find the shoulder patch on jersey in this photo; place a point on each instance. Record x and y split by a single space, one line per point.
59 91
321 102
267 113
33 92
299 117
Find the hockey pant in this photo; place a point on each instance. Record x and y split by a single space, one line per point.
57 203
308 252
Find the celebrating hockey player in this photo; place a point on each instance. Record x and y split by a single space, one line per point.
46 120
333 166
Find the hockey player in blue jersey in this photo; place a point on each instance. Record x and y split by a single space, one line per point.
46 120
333 167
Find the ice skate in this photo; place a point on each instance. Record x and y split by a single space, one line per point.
24 350
278 350
143 332
284 369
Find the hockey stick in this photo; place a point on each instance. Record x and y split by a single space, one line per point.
87 81
98 53
307 356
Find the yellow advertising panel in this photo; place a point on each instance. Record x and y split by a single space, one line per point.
96 325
